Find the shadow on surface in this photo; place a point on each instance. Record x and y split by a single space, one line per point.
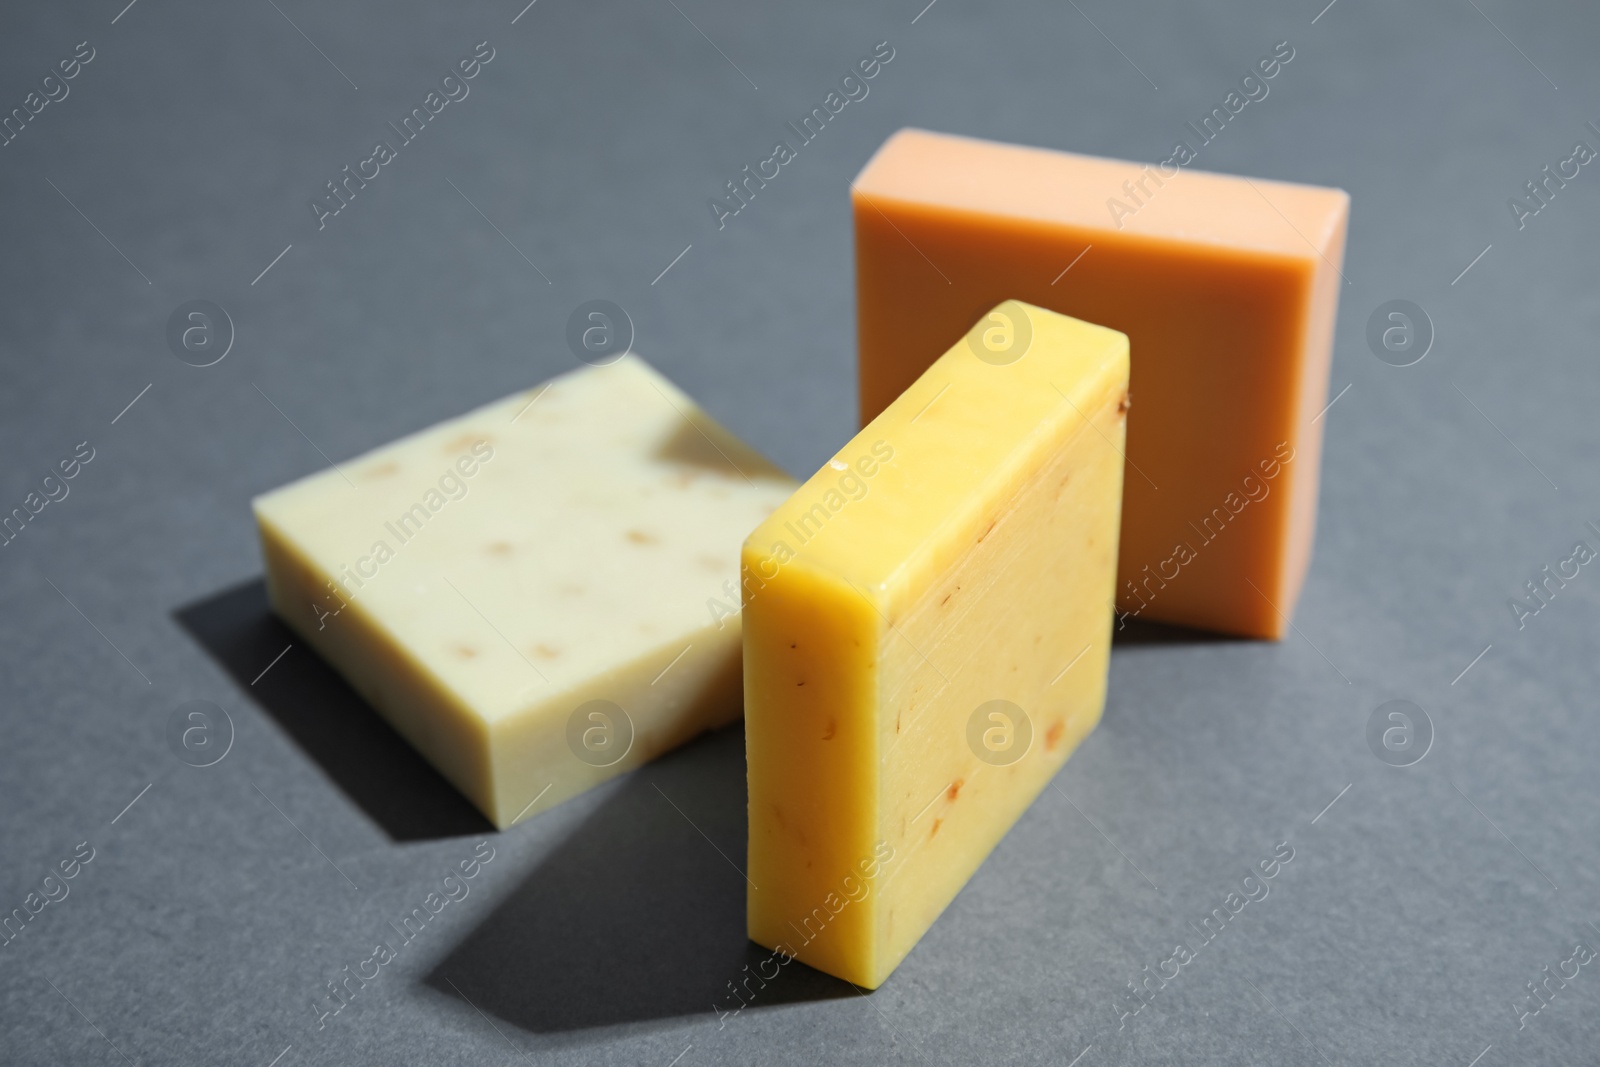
710 447
331 723
1130 631
639 915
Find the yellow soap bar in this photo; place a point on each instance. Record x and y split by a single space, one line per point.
522 592
927 627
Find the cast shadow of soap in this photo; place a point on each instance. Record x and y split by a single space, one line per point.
638 915
373 765
1130 631
698 446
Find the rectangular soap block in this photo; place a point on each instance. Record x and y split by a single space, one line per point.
927 629
521 592
1227 289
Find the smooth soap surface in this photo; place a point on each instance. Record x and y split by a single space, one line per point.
1227 288
484 580
959 551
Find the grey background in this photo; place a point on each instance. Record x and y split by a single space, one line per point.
1416 907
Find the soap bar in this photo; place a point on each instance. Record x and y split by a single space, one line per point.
927 629
1227 288
527 593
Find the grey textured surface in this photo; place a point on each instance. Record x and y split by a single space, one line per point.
218 905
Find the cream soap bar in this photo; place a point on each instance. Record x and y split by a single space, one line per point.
927 629
522 591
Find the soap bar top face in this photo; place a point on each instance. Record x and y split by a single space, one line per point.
574 525
1041 186
884 524
480 580
953 562
1227 289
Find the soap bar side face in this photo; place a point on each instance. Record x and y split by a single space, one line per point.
621 718
376 665
1323 284
1231 345
811 656
975 566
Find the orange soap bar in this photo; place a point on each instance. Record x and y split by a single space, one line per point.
1227 289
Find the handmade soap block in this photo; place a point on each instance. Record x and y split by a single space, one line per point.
927 626
528 592
1226 288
